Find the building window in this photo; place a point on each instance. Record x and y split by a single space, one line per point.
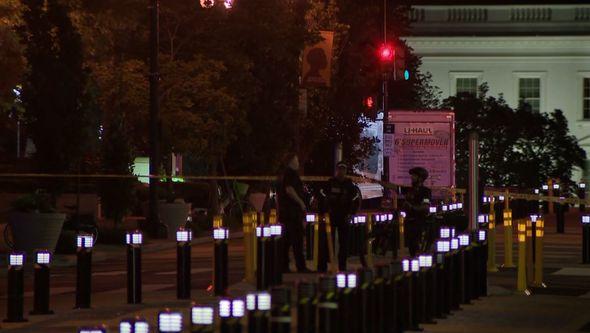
586 98
529 93
466 85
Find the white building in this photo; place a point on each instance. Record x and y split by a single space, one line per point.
534 51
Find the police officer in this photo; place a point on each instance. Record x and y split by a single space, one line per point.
343 198
417 206
292 212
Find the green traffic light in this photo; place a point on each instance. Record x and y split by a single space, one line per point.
406 75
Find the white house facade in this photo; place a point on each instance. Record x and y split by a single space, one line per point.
534 52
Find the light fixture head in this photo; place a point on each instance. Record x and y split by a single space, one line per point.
42 257
136 325
170 321
425 260
276 230
16 259
134 238
443 246
464 239
184 235
202 315
85 241
220 233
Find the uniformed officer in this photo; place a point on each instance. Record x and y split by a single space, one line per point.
343 198
292 212
417 206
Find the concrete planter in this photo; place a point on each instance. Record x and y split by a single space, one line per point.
174 215
32 231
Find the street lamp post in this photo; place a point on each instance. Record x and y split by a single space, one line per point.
154 139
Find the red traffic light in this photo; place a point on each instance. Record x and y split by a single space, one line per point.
386 53
369 102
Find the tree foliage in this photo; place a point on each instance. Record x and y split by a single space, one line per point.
517 147
58 103
338 115
117 156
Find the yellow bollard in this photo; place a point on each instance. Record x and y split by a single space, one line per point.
272 217
492 267
254 249
369 242
508 257
529 252
332 267
521 280
540 233
217 221
248 243
316 243
402 217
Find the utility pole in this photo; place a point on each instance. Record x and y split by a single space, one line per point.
154 74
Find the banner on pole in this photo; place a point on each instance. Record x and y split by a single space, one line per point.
317 62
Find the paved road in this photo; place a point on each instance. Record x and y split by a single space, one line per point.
109 288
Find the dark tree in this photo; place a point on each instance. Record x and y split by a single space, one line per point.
269 35
117 194
517 147
57 104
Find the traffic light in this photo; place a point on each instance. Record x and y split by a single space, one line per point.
369 102
386 53
370 106
401 72
394 59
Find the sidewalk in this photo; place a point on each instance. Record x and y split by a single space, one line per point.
564 306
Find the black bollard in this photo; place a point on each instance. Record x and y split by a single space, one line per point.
85 243
464 268
276 240
586 239
258 306
263 260
280 311
360 230
406 301
456 280
15 288
397 309
310 220
230 315
327 306
413 291
559 212
306 306
170 321
482 263
425 289
42 285
443 246
220 271
433 282
347 302
366 300
202 319
382 297
134 325
184 238
134 240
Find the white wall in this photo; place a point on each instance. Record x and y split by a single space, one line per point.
560 62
